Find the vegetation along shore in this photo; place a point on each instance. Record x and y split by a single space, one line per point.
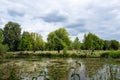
15 43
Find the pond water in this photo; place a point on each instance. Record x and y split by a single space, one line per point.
60 69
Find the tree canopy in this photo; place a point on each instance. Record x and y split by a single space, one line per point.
92 42
58 39
26 42
12 35
76 44
114 44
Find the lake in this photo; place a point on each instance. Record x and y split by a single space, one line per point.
60 69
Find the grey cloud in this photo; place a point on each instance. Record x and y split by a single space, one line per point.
54 17
14 13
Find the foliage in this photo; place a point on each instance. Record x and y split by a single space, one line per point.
112 54
31 41
111 44
76 44
3 49
1 36
65 51
58 39
114 44
12 35
26 42
37 43
107 45
92 42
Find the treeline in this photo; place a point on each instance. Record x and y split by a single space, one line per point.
12 39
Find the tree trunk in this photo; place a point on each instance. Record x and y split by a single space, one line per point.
58 50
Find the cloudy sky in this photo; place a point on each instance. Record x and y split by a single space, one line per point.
101 17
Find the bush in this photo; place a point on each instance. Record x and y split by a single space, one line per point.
112 54
65 51
3 49
115 54
105 54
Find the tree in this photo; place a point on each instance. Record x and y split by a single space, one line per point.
31 41
107 45
88 41
92 42
58 39
12 35
26 41
76 44
37 43
114 44
3 48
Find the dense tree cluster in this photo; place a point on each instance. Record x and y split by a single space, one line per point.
92 42
3 48
58 40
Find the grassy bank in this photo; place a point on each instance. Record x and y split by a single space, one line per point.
54 54
111 54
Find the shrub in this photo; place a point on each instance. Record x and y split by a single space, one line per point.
3 49
105 54
65 51
112 54
115 54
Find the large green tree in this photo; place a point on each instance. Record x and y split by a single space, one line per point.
31 41
58 39
12 35
114 44
92 42
107 45
26 42
76 44
37 43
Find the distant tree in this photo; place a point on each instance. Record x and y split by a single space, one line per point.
107 45
76 44
58 39
88 42
92 42
37 43
26 41
12 35
31 41
98 43
114 44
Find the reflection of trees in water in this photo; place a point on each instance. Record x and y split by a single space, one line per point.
92 66
58 70
109 72
75 75
9 72
17 71
96 69
35 71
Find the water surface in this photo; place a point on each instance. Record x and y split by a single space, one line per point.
61 69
